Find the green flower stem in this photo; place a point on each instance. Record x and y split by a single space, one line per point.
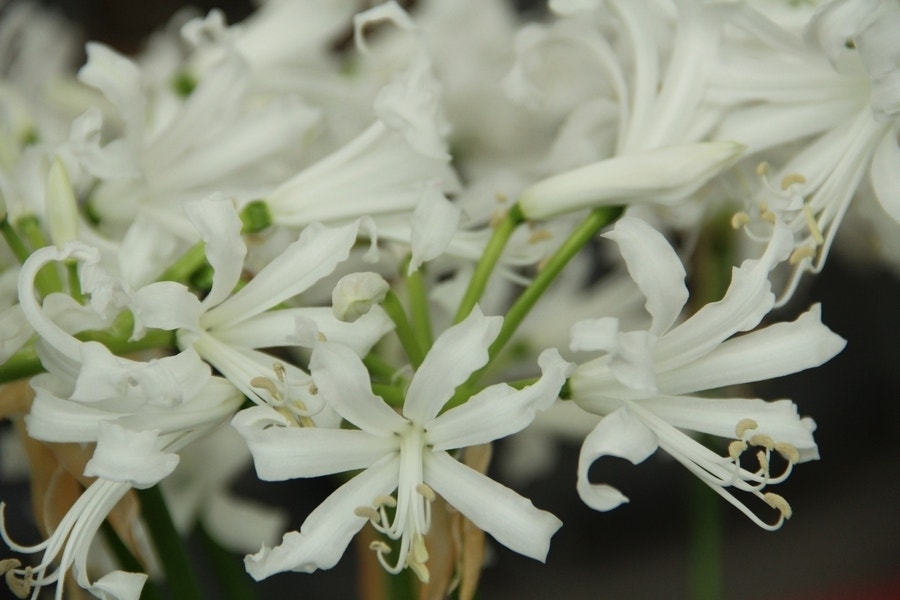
189 262
391 394
584 232
234 583
74 282
15 243
489 258
418 309
169 547
394 308
47 280
23 363
128 562
379 368
704 542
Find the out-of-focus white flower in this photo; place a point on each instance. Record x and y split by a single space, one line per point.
644 382
356 293
406 452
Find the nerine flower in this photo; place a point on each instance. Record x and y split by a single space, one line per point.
645 383
405 454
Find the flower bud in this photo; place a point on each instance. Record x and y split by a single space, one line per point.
62 209
355 294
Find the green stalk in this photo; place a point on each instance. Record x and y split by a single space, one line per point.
182 269
379 368
234 583
74 282
394 309
128 562
391 394
14 242
23 363
485 266
704 541
180 576
418 308
584 232
47 280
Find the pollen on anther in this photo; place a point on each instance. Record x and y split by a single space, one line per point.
264 383
790 179
367 512
380 547
801 253
779 503
736 448
8 564
760 439
763 460
762 169
745 425
812 224
426 492
739 219
21 588
788 452
388 501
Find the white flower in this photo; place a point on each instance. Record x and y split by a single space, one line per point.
406 452
645 382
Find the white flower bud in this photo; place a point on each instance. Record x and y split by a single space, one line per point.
62 209
355 294
662 176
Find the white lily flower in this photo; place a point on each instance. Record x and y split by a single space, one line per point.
644 383
406 452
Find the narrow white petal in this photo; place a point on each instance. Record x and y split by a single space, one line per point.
510 518
119 585
343 382
655 268
434 222
885 174
455 355
595 334
776 350
281 453
220 229
313 256
327 530
129 456
499 411
119 80
164 305
55 419
619 434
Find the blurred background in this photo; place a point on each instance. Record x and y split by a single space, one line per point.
842 543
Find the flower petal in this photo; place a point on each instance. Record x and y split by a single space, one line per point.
885 175
344 383
510 518
281 453
434 222
327 530
655 268
119 585
500 410
129 456
455 355
220 229
619 434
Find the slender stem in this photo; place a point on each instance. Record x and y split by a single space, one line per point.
169 547
391 394
418 308
485 266
234 583
14 242
182 269
379 368
74 282
394 308
47 280
584 232
705 542
23 363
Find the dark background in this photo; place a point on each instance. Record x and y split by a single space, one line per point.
843 541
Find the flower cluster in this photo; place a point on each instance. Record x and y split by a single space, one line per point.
305 241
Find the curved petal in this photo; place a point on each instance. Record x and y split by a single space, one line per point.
327 530
344 383
510 518
594 335
619 434
129 456
455 355
220 229
434 223
119 585
885 175
776 350
281 453
655 268
164 305
499 411
313 256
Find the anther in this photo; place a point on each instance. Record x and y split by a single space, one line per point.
21 588
367 512
801 254
739 219
763 459
812 224
380 547
779 503
736 448
388 501
763 440
418 556
8 564
279 371
313 389
762 169
321 337
497 218
790 179
264 383
745 425
788 452
426 492
539 235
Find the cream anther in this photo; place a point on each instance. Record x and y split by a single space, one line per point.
736 448
739 219
788 452
762 169
417 557
762 440
21 588
313 389
388 501
779 503
539 235
743 426
763 458
380 547
367 512
321 337
264 383
791 179
8 564
426 492
280 373
812 224
801 254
